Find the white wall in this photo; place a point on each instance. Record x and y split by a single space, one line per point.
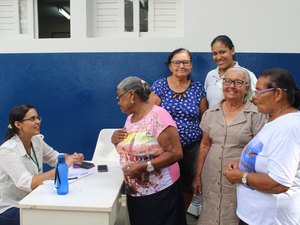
255 26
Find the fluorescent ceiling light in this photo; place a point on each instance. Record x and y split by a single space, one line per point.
64 13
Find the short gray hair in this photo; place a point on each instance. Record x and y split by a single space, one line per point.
140 87
249 93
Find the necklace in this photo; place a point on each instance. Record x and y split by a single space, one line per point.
35 158
176 95
179 96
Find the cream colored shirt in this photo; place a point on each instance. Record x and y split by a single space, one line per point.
17 168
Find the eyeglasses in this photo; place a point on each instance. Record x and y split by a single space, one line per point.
177 63
120 96
237 83
266 90
33 119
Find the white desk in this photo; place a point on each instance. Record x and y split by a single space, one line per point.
91 200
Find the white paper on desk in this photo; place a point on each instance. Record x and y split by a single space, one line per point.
78 173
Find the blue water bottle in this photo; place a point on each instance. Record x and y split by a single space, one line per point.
61 176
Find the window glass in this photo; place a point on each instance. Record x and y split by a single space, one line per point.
136 18
54 18
129 18
144 15
128 15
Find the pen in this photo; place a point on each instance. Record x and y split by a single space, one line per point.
72 178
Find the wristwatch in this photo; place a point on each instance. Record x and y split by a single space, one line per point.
150 167
244 178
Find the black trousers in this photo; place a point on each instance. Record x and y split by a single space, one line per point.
165 207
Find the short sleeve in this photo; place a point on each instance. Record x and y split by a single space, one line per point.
159 87
253 80
205 122
206 82
163 120
200 90
283 167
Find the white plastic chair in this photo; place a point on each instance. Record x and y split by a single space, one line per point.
105 150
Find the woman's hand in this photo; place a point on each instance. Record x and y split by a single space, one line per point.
258 181
118 136
204 148
134 170
233 175
232 164
197 185
74 158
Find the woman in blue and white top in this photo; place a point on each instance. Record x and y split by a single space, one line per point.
185 100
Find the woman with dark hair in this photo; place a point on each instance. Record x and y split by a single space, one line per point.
185 100
223 53
149 149
21 161
268 173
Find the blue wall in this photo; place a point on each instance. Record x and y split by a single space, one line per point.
75 92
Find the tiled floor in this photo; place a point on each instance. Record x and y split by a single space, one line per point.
191 220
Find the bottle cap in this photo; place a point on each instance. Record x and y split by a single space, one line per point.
61 158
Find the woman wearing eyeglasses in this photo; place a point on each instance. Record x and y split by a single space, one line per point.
21 161
185 100
268 172
223 53
149 149
227 127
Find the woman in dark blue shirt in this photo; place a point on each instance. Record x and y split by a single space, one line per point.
185 100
